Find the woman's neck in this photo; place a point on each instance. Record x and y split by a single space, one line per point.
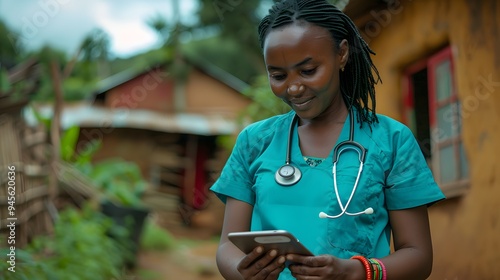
332 117
318 136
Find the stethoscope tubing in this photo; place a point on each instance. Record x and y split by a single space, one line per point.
350 144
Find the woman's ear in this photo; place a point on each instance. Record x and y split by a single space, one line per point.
343 53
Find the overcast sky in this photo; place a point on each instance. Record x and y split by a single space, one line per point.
64 23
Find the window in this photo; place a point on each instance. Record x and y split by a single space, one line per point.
432 111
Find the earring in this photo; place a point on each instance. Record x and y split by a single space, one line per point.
342 69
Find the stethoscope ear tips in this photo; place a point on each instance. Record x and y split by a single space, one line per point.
368 211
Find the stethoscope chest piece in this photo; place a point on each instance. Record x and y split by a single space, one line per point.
288 175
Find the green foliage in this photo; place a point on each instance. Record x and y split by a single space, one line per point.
47 54
155 238
68 142
160 25
81 158
223 52
4 80
45 121
82 81
235 19
265 103
142 62
68 145
120 181
12 91
26 266
11 46
45 91
76 88
80 249
95 45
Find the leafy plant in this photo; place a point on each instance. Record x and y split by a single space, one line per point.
26 266
155 238
79 249
69 153
68 143
120 181
4 80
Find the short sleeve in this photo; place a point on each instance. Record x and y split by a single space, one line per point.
235 180
410 182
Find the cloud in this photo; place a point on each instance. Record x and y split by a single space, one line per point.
64 23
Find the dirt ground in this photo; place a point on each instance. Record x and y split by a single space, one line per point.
190 263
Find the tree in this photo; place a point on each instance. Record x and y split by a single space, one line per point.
11 48
94 52
236 19
168 32
159 24
95 45
80 74
234 23
45 56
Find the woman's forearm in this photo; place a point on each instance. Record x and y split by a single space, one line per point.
408 264
228 258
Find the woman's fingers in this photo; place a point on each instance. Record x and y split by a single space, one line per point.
271 267
261 265
250 258
313 267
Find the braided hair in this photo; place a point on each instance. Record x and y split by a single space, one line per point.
357 82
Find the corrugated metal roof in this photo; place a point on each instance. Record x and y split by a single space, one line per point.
86 115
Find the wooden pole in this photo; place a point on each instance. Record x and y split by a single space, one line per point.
190 170
55 132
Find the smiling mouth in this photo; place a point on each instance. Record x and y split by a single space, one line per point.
298 103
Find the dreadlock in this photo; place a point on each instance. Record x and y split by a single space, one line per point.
357 82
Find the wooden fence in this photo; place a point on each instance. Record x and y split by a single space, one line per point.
34 183
24 178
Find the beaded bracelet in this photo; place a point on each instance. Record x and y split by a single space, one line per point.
384 272
366 264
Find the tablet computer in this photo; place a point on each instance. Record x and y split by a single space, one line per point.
281 240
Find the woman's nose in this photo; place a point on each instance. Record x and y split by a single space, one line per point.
295 89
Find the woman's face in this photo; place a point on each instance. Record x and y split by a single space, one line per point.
303 66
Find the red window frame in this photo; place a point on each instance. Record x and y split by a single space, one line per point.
460 182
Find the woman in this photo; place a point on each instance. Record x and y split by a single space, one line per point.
319 65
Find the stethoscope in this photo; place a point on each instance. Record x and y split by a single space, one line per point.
289 174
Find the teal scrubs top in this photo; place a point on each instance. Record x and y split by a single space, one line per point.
395 176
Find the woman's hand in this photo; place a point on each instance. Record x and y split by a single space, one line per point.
261 265
324 267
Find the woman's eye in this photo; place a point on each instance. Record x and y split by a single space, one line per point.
278 77
309 71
